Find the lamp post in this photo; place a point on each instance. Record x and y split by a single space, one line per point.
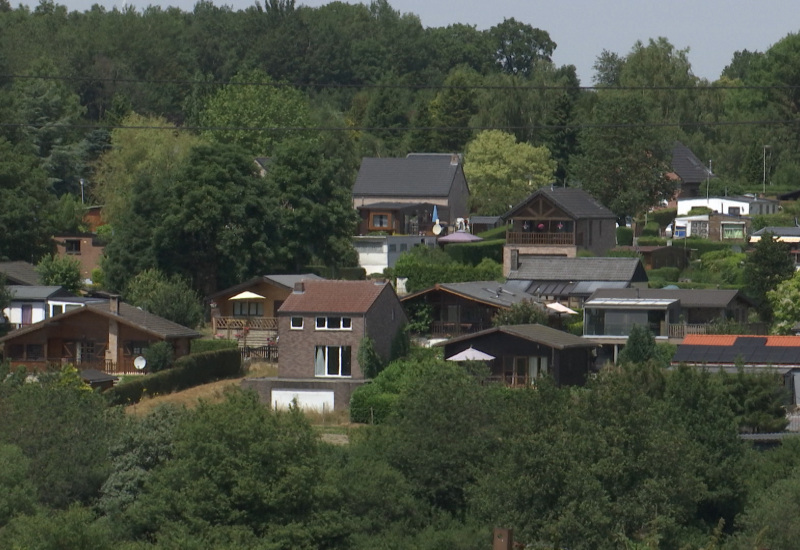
764 160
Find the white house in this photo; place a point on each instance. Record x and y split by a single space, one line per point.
376 253
733 206
32 304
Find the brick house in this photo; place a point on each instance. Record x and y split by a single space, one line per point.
85 248
320 328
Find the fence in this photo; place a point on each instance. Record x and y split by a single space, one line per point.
267 353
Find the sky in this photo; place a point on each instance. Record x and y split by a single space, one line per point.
712 30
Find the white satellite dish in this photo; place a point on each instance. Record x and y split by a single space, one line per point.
140 363
437 229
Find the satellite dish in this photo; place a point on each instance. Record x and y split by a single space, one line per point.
140 363
437 229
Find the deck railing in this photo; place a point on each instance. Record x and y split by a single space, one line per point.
554 239
442 328
240 323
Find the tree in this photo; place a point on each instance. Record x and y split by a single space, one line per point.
254 113
625 160
768 265
519 47
60 271
785 304
168 297
502 172
607 69
640 347
522 313
5 299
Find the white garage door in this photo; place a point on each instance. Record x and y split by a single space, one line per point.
321 401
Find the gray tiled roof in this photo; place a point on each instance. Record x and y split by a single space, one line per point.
288 281
413 176
688 167
540 334
576 202
19 273
38 292
779 231
548 268
490 292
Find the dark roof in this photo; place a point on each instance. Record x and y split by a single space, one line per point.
576 202
351 297
496 294
707 298
777 351
540 334
37 292
688 167
397 206
285 281
551 268
19 273
413 176
94 376
485 220
128 315
790 231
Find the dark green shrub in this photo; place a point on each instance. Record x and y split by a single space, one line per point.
346 273
188 371
474 253
496 233
703 245
671 274
651 229
624 236
369 361
651 241
401 344
204 345
159 356
613 253
370 405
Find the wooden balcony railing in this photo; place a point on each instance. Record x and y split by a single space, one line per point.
551 239
238 324
442 328
56 364
680 330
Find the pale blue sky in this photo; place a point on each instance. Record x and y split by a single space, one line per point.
712 29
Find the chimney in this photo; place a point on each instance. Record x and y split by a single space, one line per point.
454 159
299 287
113 303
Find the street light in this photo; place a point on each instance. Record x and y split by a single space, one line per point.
764 159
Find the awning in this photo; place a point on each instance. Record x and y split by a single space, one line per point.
471 354
247 295
561 308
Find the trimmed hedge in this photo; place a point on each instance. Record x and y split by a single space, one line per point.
702 245
189 371
624 236
664 216
496 233
474 253
204 345
651 241
651 229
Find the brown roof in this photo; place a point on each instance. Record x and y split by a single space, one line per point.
540 334
334 297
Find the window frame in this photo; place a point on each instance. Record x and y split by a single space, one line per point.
343 361
345 324
292 325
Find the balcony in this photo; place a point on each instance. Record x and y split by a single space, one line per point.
237 324
540 239
441 329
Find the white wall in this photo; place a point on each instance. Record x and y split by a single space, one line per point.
717 204
319 401
14 312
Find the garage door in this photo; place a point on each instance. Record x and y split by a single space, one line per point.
321 401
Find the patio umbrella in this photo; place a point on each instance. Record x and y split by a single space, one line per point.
247 295
460 237
471 354
560 308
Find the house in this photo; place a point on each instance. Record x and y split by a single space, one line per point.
19 273
775 354
377 252
479 224
692 174
572 280
106 336
458 308
790 235
321 326
85 248
670 314
398 195
733 206
523 353
32 304
714 227
249 311
557 221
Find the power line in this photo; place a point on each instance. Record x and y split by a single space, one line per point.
334 85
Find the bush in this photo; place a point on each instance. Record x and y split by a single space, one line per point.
159 356
188 371
371 405
496 233
204 345
474 253
651 241
703 246
369 361
624 236
651 229
346 273
613 253
671 274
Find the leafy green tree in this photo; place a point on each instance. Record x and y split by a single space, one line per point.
522 313
785 304
17 493
424 267
607 69
254 113
60 271
640 347
450 112
502 172
768 265
168 297
624 163
758 400
519 46
159 356
68 215
75 527
5 299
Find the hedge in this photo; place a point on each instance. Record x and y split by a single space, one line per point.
651 241
474 253
204 345
624 236
665 216
651 229
494 233
369 404
346 273
188 371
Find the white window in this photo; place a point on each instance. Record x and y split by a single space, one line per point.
332 361
334 323
297 323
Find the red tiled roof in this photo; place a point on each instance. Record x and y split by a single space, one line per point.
333 297
783 341
709 339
